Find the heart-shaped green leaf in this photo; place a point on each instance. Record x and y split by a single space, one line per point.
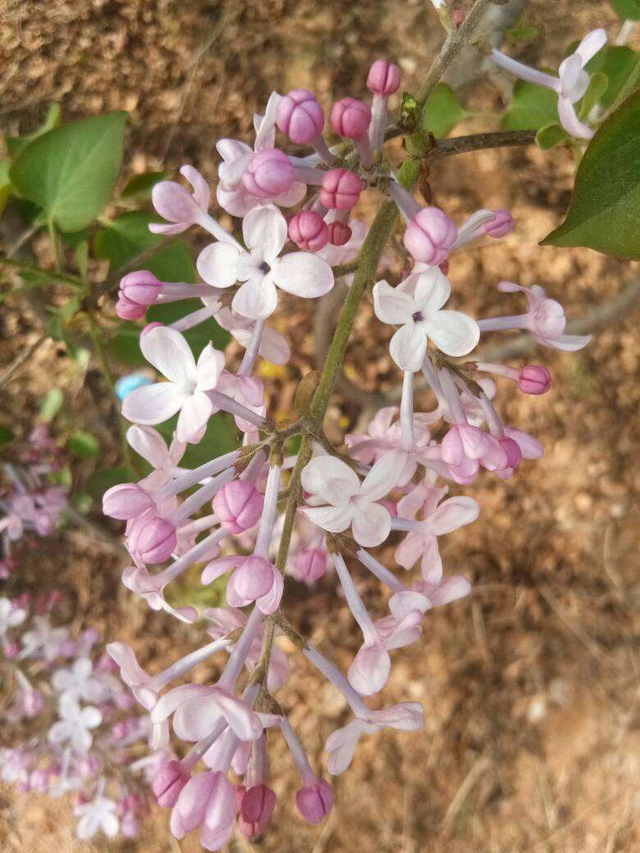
70 171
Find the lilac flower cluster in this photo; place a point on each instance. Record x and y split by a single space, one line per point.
262 511
29 502
84 732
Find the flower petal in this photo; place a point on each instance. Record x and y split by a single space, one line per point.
452 514
408 346
384 475
167 350
370 669
196 411
256 298
217 264
330 479
265 232
591 44
433 289
570 121
452 332
371 526
391 305
209 367
335 519
531 75
153 404
303 274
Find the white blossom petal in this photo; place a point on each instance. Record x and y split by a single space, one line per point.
265 232
153 404
303 274
408 347
391 305
371 526
217 264
256 298
331 479
452 332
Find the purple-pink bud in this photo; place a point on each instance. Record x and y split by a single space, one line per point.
351 118
309 231
534 379
315 801
268 174
256 806
384 78
310 564
125 501
168 783
300 116
156 540
430 235
238 505
341 189
502 225
512 451
339 233
141 287
128 310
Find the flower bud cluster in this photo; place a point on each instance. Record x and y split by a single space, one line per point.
271 509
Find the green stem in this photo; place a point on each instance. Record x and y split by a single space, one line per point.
55 246
369 257
106 369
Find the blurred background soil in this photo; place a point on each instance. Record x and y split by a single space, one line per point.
530 686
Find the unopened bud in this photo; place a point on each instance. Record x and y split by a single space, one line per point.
300 116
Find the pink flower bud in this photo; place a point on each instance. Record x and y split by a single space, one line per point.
315 801
339 233
340 189
141 287
384 78
125 501
168 783
430 235
351 118
128 310
155 541
268 174
502 225
309 231
300 116
512 451
534 379
238 505
256 807
310 564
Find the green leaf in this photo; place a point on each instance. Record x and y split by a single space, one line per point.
617 63
104 478
71 171
221 437
532 107
140 186
598 85
5 184
523 31
629 10
51 405
16 144
442 111
551 135
83 444
82 258
605 208
127 237
6 435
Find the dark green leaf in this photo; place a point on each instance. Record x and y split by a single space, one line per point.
605 209
51 404
83 444
127 237
6 435
617 63
629 10
71 171
140 186
5 184
221 437
16 144
442 111
104 478
532 107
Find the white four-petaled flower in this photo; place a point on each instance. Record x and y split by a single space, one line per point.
338 499
260 268
75 724
422 317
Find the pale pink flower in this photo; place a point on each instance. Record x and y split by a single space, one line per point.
75 724
571 83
